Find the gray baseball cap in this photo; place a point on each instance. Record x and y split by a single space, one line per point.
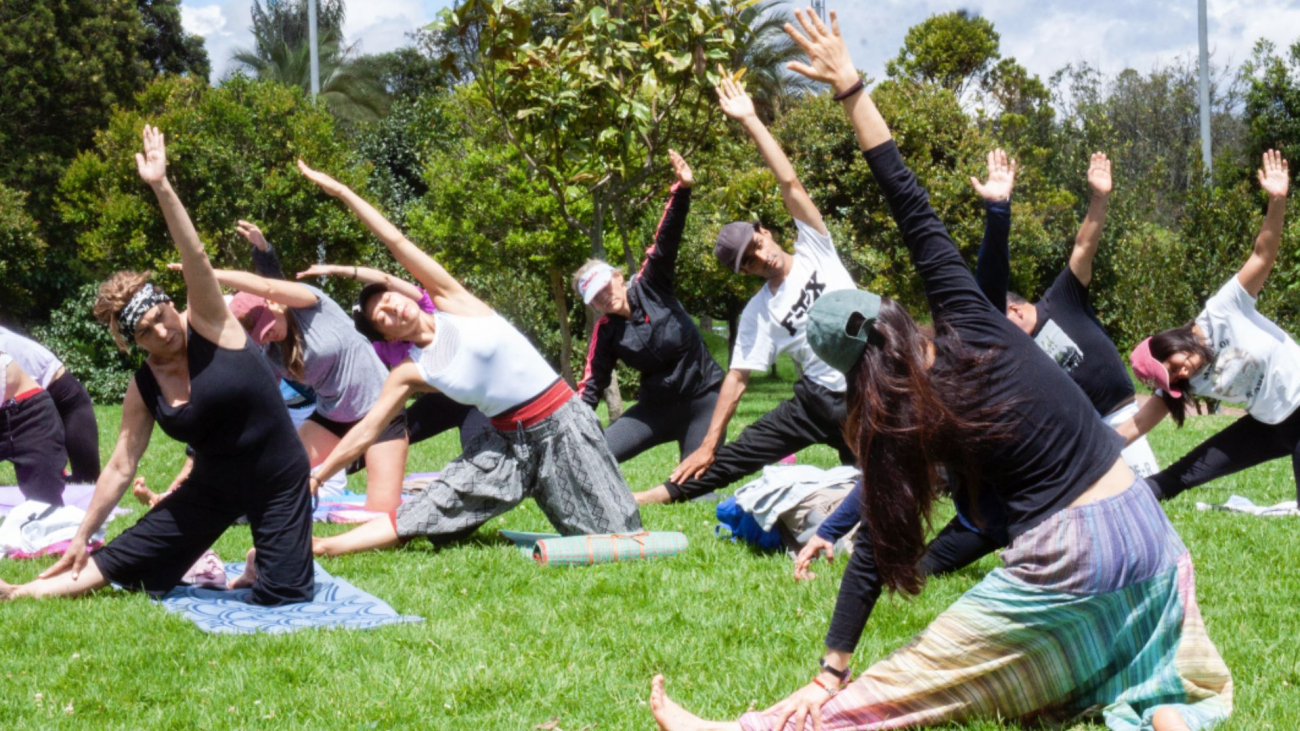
840 324
733 239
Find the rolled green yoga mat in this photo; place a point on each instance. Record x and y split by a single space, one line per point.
550 549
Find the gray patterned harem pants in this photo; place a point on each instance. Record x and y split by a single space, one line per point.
562 462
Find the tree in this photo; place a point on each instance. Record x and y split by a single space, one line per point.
166 47
764 53
64 64
593 110
21 252
953 50
350 88
1273 101
231 151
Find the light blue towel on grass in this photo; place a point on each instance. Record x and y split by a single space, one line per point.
337 604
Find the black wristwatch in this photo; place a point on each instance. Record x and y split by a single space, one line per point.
841 674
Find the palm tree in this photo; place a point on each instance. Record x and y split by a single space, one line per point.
349 87
766 52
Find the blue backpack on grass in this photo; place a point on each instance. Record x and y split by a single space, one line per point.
741 525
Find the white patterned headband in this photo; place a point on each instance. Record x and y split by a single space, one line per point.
129 316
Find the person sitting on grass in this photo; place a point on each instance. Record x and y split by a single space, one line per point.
643 324
206 384
545 442
1232 353
31 434
432 413
772 323
309 339
1095 607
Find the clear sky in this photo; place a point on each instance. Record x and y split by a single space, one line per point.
1042 34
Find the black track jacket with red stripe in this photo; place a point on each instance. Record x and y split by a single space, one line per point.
659 339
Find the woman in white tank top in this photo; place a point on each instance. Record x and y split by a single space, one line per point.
545 444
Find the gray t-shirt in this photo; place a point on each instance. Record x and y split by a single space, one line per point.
337 361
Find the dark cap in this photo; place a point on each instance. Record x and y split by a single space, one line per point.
359 319
733 239
840 324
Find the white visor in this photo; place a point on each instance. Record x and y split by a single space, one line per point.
595 280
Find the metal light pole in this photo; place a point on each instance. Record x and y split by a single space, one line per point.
1205 88
315 53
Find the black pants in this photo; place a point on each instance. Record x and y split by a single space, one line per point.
435 413
1244 443
814 415
80 430
155 553
31 436
652 422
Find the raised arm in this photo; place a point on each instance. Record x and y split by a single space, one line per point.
1273 178
365 275
132 440
1089 236
737 105
830 63
698 462
207 310
660 267
993 266
1144 420
287 293
265 261
448 294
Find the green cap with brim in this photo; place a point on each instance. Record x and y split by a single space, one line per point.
839 325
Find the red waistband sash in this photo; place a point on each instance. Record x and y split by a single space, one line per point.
533 411
27 394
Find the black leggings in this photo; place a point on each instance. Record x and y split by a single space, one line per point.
955 547
1244 443
80 430
31 436
814 415
435 413
652 422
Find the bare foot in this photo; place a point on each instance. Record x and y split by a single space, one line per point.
672 717
7 591
654 496
142 493
1167 719
320 547
246 579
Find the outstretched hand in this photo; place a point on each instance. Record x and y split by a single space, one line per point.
250 231
1099 175
685 177
734 101
695 464
317 270
803 708
152 163
323 181
1002 177
828 57
808 554
73 559
1274 175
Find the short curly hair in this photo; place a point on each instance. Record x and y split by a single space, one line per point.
113 295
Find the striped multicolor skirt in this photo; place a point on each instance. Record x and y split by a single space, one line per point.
1094 612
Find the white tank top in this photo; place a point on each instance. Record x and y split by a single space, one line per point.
484 362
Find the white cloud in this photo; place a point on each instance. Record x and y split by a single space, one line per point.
204 21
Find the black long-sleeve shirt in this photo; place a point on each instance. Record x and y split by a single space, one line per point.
1055 445
659 339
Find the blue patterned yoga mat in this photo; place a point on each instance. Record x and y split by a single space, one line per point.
337 604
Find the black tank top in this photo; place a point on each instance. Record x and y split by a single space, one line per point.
235 419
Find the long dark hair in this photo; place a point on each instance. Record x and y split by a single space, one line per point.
905 419
1165 345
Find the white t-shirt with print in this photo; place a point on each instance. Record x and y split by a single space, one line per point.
1255 362
777 322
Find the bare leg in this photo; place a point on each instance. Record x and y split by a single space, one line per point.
672 717
246 579
385 468
1167 719
378 533
654 496
61 585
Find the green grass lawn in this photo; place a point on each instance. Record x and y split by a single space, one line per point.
509 645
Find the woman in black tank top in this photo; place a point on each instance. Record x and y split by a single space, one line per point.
205 384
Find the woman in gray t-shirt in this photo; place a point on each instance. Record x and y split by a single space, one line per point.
308 338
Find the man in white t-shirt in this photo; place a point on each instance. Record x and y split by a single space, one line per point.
774 322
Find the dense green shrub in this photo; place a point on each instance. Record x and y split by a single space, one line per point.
21 251
87 349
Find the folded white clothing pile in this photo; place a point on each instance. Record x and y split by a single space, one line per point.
34 528
781 488
1239 504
